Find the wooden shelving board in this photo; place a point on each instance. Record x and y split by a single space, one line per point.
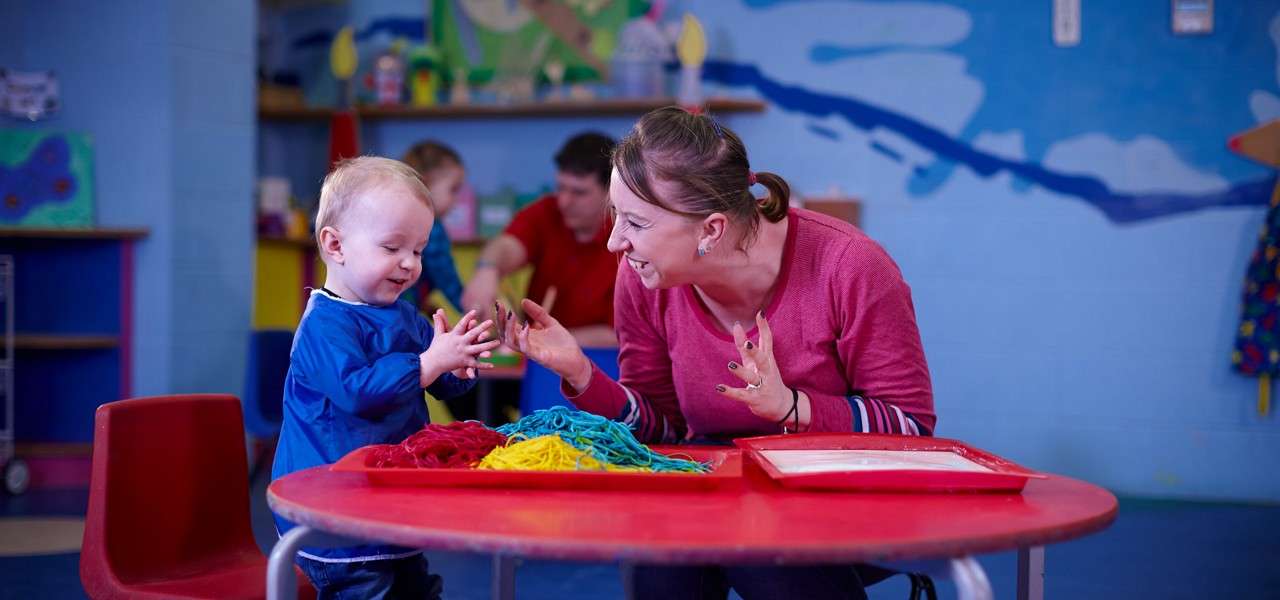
563 108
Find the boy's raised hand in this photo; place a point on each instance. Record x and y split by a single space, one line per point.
456 350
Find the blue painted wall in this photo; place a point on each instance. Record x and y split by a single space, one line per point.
1071 223
167 92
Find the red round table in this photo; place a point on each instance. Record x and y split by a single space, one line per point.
756 521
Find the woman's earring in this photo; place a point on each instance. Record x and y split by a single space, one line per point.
702 251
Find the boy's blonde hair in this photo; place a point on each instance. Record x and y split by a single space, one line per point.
355 176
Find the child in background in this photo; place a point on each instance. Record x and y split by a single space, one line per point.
442 171
361 359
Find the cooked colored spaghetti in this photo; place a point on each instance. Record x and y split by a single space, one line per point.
460 444
607 441
546 453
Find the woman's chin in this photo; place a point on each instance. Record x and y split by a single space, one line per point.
654 280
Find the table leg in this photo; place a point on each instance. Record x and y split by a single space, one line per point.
503 584
1031 573
281 582
971 581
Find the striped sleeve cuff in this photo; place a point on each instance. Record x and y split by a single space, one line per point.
648 425
873 416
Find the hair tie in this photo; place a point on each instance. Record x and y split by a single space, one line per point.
751 178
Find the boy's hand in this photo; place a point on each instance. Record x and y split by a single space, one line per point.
456 350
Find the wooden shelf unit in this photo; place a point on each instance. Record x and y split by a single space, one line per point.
74 233
32 341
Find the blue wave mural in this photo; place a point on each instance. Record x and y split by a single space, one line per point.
1119 207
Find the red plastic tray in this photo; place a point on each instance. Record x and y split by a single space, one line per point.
726 469
1003 475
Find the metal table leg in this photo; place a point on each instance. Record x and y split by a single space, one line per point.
281 582
1031 573
503 582
970 580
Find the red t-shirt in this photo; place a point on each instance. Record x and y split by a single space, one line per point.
582 273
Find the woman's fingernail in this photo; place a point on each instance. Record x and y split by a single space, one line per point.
733 365
749 345
737 323
720 388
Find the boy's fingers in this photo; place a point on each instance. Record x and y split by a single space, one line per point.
482 347
437 322
476 333
461 325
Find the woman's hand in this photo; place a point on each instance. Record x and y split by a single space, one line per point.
546 341
765 394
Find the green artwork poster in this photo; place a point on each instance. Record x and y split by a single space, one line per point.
489 38
46 179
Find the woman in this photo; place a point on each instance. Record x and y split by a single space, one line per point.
739 316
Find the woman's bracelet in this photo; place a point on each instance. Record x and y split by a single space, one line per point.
794 413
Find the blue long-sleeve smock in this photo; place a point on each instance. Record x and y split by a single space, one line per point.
353 381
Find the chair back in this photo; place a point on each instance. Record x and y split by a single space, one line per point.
168 491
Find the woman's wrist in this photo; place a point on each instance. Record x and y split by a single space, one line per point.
804 411
579 376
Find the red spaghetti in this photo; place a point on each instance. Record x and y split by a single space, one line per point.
460 444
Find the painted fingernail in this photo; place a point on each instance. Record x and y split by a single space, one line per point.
720 388
737 323
749 345
733 365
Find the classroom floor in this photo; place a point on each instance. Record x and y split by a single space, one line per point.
1155 549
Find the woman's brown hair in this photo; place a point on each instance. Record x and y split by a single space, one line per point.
705 165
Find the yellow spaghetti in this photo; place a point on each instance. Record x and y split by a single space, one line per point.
546 453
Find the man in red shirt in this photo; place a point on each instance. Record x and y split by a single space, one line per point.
563 236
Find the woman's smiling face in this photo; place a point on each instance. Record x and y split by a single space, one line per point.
658 244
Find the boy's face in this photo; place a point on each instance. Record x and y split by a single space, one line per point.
382 241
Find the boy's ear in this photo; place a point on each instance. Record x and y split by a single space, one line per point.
331 245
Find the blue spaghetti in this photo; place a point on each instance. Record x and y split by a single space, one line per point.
608 441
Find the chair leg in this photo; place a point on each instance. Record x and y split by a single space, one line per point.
922 584
929 591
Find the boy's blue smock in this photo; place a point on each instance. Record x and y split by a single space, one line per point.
353 381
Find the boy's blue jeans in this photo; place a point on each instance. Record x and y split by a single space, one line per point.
391 579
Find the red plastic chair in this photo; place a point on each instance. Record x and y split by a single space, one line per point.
169 503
